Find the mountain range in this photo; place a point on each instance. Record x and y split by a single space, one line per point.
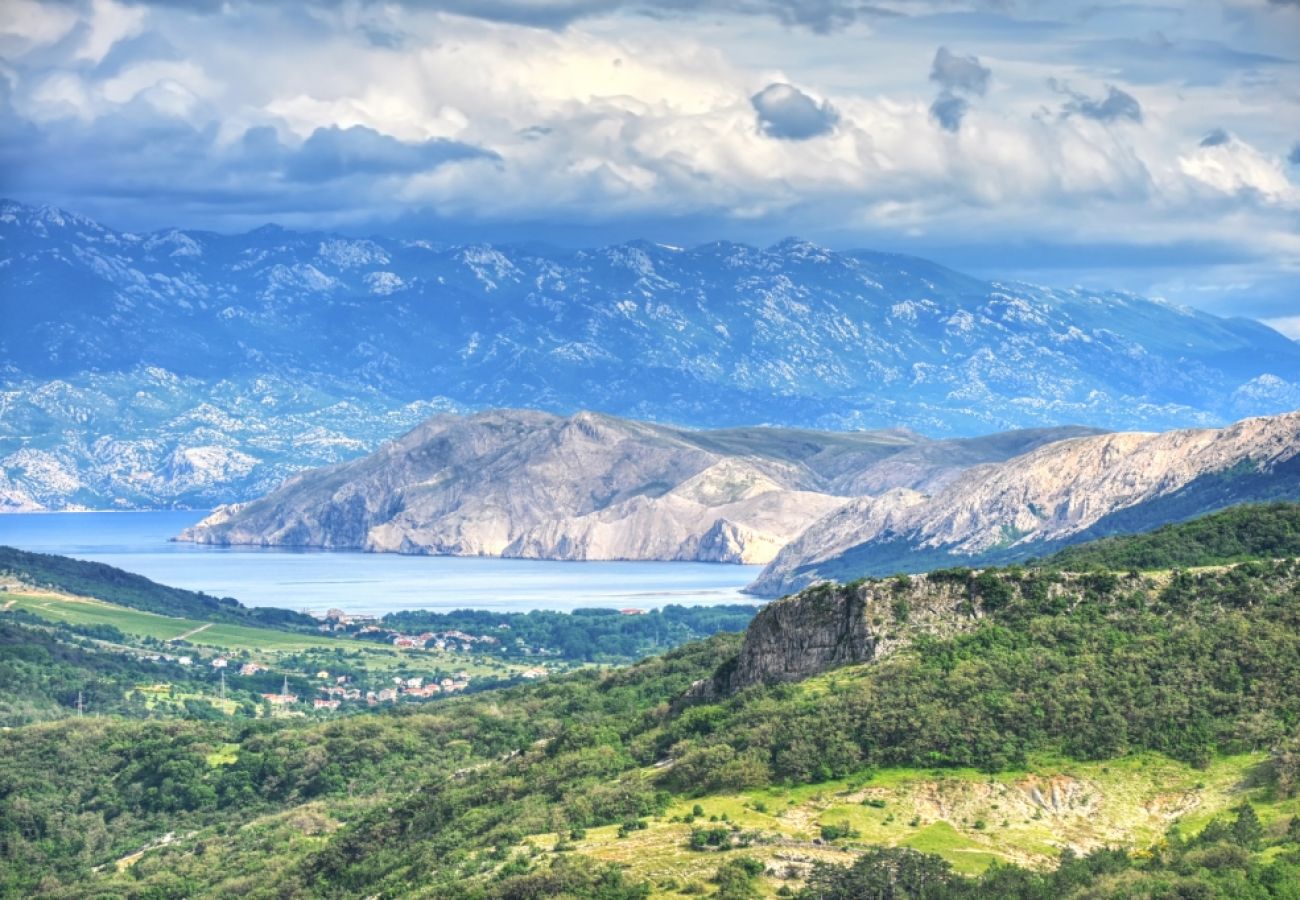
814 506
186 368
522 483
1058 494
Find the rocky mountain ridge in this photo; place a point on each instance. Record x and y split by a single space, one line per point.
1057 494
127 357
521 483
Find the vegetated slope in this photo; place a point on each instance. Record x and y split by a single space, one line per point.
1249 531
1058 494
104 582
523 483
129 356
438 803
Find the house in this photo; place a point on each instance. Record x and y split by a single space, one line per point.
318 703
387 695
414 682
251 668
185 660
537 672
322 675
281 699
632 611
220 663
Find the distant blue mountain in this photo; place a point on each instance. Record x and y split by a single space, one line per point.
149 345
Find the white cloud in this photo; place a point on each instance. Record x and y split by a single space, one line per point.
628 118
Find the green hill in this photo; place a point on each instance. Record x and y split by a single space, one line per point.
1249 531
1070 712
92 579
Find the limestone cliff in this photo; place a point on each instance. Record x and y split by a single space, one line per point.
831 625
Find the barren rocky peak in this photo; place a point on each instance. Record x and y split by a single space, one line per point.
1055 493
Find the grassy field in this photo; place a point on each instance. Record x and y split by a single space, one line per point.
970 818
260 643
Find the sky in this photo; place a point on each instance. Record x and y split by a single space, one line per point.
1149 147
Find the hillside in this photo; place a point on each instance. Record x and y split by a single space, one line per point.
181 368
1058 494
529 484
92 579
1099 710
1249 531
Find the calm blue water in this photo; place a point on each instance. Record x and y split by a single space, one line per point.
366 582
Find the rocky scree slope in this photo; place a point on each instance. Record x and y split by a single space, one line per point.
1057 494
123 353
522 483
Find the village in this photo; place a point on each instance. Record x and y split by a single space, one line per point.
367 627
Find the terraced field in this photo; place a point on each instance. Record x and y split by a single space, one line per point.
970 818
229 638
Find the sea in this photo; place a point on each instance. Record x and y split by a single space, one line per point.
375 583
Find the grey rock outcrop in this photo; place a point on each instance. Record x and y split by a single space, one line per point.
827 626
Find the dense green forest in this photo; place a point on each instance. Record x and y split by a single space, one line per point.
92 579
435 801
583 635
1250 531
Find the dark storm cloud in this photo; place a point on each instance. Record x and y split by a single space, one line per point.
335 152
1216 138
1114 106
959 74
956 75
787 113
948 109
141 157
822 16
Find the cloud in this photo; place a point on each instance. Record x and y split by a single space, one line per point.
640 118
1216 138
959 74
956 75
787 113
335 152
819 16
948 110
1114 106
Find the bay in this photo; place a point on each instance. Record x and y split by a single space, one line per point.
377 583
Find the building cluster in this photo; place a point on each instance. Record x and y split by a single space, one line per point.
364 626
415 688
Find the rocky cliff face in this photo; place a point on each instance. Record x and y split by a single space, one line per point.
1057 494
531 484
831 625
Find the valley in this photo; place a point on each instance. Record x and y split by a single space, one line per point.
975 724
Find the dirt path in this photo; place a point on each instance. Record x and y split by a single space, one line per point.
190 633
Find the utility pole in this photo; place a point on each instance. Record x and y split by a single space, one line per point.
223 687
81 705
